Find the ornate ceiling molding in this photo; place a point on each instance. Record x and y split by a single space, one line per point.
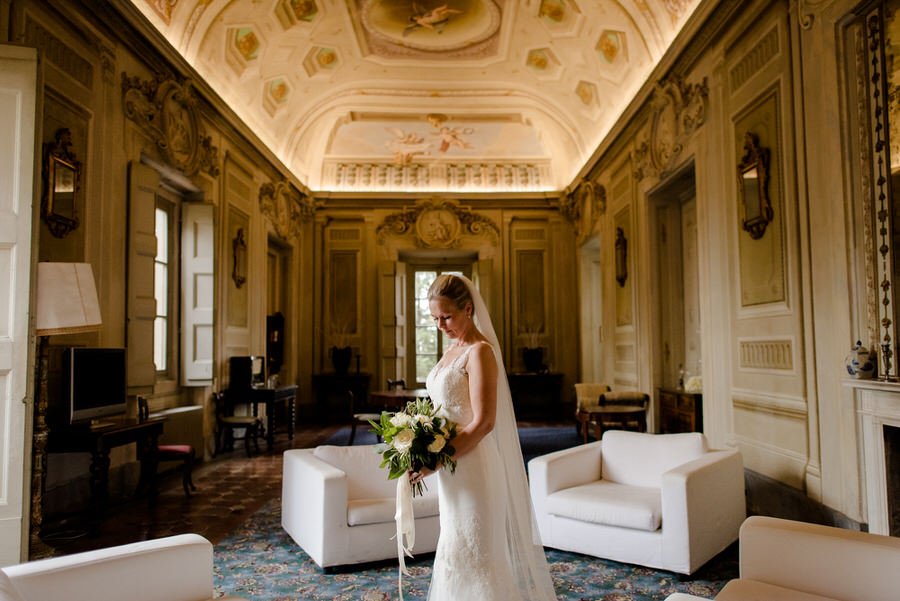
285 209
167 111
678 110
437 223
583 207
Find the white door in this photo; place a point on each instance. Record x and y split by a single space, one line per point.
18 98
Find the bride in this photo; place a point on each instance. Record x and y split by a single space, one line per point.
489 547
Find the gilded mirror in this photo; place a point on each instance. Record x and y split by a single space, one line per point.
753 187
61 174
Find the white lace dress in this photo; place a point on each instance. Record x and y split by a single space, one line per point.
472 562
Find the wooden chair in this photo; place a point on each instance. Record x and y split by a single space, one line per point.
395 384
172 452
359 417
619 410
586 394
227 422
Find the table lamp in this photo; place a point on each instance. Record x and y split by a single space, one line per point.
66 304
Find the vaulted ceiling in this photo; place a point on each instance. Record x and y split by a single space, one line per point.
425 95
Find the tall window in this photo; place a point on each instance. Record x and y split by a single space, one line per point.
161 292
429 343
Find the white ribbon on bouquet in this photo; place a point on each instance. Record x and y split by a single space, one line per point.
406 527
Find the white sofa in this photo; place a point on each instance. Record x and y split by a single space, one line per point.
783 560
175 568
339 506
658 500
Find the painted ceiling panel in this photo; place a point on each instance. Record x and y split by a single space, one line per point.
466 91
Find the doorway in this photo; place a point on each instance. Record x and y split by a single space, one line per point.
676 337
592 312
278 264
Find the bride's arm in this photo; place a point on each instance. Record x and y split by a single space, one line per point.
482 369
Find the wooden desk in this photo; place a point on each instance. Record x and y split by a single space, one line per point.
270 397
331 394
395 400
98 440
536 395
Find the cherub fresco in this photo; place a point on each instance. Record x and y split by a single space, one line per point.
435 19
449 136
405 146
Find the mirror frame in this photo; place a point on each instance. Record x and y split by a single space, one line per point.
756 158
621 257
58 156
239 258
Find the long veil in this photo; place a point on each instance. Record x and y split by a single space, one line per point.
526 553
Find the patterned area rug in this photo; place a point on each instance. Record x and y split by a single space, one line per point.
260 561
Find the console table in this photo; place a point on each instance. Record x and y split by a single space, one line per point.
98 440
331 394
270 397
680 411
536 395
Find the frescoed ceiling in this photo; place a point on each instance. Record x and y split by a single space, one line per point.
425 95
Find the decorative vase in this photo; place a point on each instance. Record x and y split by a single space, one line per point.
340 358
533 359
860 362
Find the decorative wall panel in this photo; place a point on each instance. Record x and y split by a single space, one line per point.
766 49
762 261
766 354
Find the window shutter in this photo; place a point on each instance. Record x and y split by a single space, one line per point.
141 310
197 279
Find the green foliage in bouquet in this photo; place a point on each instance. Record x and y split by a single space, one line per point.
415 438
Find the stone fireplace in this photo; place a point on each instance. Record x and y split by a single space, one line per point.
878 408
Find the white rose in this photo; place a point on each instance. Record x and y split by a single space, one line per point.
437 445
403 440
401 420
445 431
424 420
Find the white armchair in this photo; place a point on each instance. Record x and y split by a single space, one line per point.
658 500
339 506
175 568
783 560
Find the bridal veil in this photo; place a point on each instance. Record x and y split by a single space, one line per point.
526 553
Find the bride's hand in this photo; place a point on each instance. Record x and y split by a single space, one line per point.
415 477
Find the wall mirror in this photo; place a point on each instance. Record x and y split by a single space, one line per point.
61 174
871 37
621 257
753 187
239 258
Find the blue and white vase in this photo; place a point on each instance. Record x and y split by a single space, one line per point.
860 362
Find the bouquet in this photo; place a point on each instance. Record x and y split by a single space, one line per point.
415 438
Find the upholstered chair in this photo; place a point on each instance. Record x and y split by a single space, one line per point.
339 506
658 500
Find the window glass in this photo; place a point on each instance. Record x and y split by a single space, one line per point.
161 291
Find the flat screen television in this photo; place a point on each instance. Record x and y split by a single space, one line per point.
94 382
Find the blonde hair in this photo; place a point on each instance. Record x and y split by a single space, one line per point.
451 288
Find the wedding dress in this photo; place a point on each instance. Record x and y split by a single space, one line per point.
489 548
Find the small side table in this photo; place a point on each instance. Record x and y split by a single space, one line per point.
617 413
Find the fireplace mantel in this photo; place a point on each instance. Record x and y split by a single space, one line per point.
877 405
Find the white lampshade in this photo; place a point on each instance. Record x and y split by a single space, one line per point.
66 299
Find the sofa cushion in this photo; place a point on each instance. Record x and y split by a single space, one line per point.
753 590
609 503
640 459
377 511
7 591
